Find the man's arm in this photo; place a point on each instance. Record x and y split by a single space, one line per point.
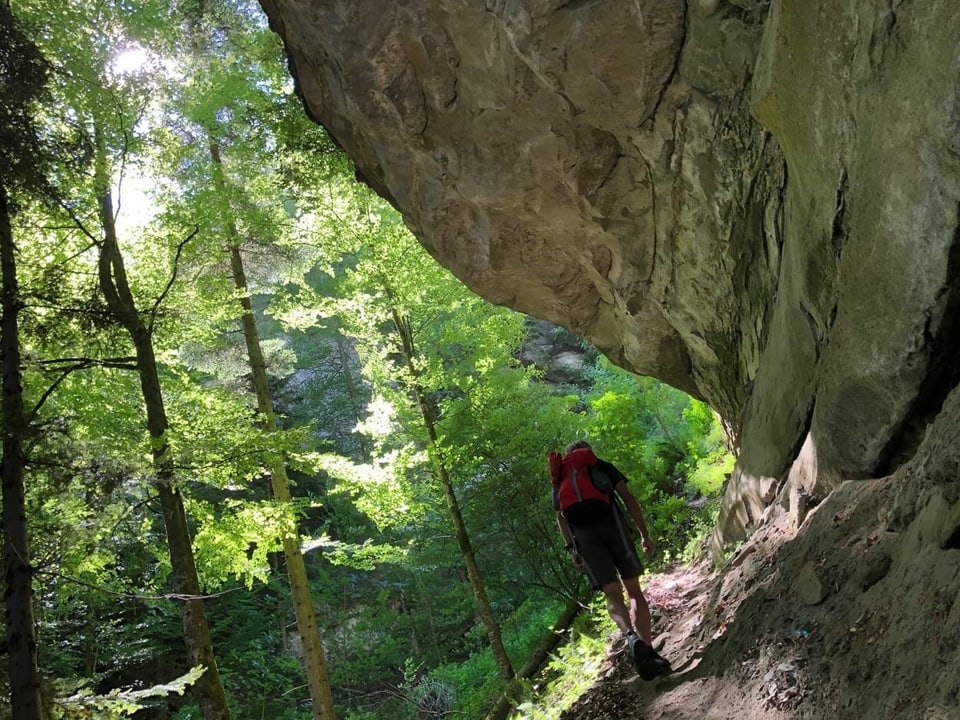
567 534
636 512
565 531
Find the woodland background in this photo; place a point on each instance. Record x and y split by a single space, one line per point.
249 424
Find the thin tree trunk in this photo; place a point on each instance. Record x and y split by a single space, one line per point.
196 632
314 658
484 611
21 636
511 696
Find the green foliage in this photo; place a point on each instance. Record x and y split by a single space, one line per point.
257 653
699 532
710 463
120 702
475 679
24 71
568 675
383 488
236 539
472 683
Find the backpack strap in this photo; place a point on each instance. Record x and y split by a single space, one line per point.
576 485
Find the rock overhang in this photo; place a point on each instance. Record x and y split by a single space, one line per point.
754 202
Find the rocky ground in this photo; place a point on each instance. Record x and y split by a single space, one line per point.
852 615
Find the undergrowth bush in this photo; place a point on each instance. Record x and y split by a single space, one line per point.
476 680
570 672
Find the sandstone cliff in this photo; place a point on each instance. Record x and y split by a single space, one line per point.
756 202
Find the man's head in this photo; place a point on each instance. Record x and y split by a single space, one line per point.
576 445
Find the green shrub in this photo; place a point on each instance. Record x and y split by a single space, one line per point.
476 680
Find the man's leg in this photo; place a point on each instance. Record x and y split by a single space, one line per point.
613 591
639 610
649 662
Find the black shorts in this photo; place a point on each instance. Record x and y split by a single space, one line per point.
607 551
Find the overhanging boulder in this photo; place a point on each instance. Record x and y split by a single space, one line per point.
754 202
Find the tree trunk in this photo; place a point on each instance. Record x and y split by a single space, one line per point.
196 633
484 611
510 697
21 636
314 659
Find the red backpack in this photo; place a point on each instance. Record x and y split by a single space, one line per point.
582 491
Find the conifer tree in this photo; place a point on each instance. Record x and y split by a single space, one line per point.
23 74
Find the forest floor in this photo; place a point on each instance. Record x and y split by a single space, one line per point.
821 622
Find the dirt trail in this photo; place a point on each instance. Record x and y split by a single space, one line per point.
841 619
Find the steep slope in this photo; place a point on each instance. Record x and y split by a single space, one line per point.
850 612
754 201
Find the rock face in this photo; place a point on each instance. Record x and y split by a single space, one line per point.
756 202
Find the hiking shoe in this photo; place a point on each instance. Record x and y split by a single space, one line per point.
662 664
646 660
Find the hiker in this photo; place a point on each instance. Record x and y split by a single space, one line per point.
596 534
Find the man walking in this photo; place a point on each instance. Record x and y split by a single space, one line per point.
598 538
